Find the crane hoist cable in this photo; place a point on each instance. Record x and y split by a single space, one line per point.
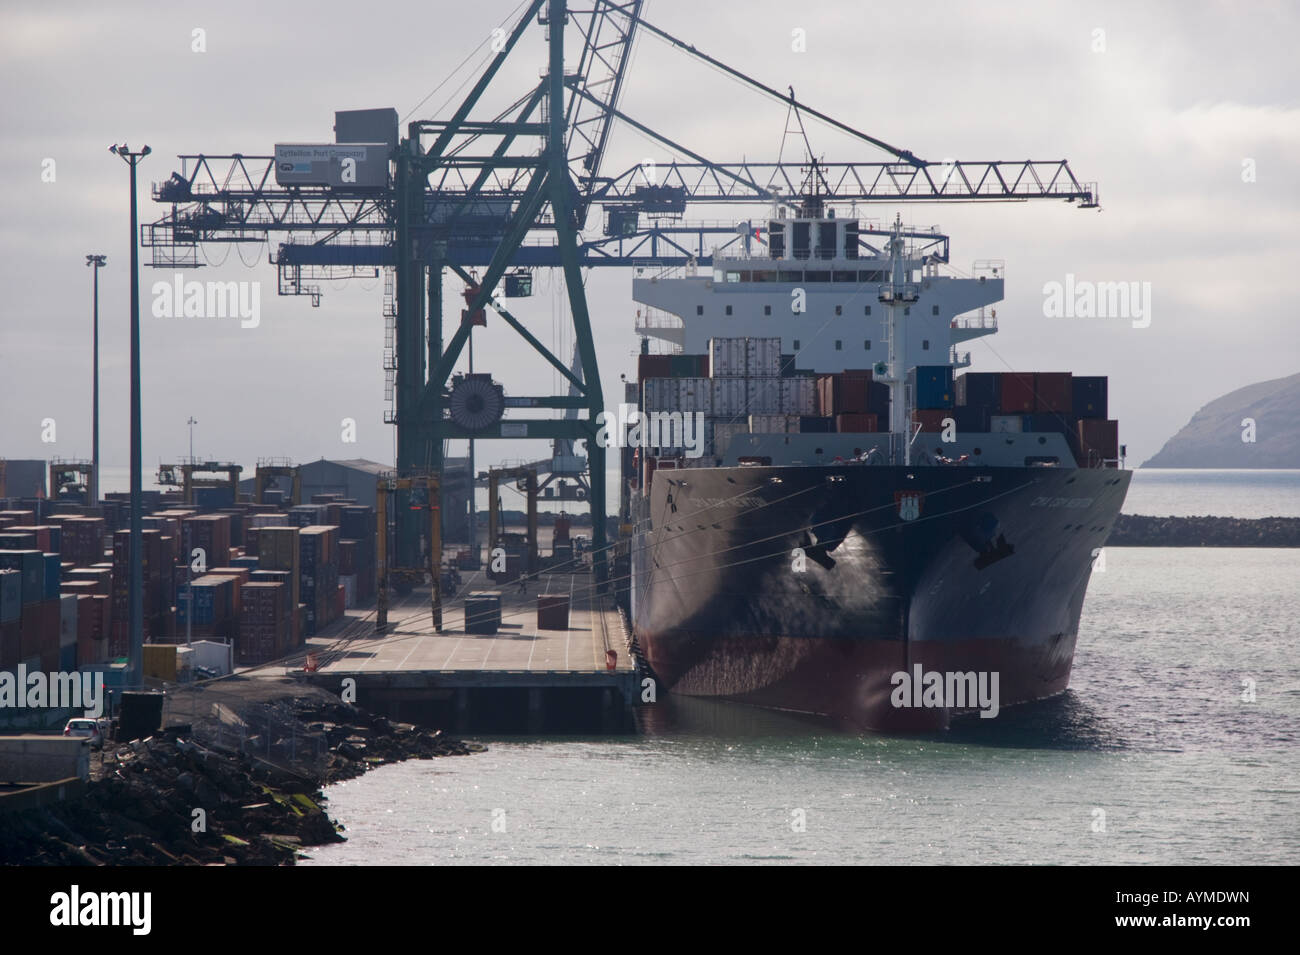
509 18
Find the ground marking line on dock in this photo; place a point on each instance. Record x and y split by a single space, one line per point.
452 653
531 650
414 646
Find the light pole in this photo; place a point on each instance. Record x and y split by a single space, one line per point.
97 262
136 593
189 563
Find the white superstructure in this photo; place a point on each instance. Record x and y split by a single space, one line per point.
816 284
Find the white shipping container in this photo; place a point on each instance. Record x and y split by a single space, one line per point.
695 395
726 357
763 357
1006 423
763 395
661 394
798 396
729 397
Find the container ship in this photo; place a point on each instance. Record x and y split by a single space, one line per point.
827 513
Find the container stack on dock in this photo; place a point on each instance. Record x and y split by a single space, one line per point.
268 577
1074 406
265 623
319 570
357 533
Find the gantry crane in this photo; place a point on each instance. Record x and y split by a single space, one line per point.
465 193
201 474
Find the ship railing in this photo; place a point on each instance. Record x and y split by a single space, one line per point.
989 269
650 317
959 360
980 321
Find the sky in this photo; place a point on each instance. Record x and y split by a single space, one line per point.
1185 114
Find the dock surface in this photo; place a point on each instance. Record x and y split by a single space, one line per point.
520 679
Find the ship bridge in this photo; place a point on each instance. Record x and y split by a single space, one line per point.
817 284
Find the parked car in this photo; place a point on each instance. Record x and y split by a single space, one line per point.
85 728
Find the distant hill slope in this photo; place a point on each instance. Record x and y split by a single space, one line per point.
1212 439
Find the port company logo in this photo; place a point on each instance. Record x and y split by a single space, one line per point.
656 429
1098 300
909 504
37 690
950 690
181 299
74 908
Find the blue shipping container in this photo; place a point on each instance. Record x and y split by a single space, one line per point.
68 658
214 498
1089 395
933 387
31 563
11 595
53 576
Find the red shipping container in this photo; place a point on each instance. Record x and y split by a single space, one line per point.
1053 392
931 420
653 366
855 423
843 394
1017 393
1096 441
83 540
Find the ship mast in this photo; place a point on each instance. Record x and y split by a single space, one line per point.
896 296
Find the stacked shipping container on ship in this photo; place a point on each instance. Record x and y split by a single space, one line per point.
742 386
933 396
1054 402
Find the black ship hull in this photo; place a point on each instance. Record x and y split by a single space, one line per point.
812 588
